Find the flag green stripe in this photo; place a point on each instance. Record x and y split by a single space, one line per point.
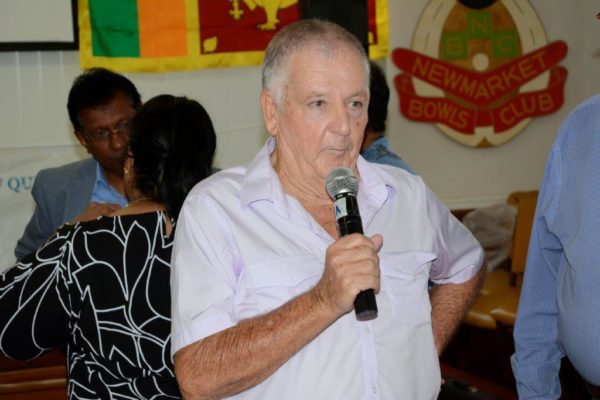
114 28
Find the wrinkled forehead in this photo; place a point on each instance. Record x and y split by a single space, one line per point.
316 74
325 52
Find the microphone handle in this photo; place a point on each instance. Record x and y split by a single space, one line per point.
365 305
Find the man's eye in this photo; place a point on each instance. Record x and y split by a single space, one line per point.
123 127
317 103
101 134
356 104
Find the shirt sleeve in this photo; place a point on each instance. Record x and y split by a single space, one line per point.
34 314
459 254
536 361
203 277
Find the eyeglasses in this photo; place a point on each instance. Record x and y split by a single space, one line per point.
104 134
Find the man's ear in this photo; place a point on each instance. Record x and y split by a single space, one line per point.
82 140
128 164
270 112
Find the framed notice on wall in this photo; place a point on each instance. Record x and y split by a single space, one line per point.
38 25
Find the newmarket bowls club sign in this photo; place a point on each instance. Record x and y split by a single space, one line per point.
480 70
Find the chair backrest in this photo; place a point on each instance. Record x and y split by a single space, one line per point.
525 203
48 383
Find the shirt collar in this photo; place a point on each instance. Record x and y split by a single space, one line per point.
100 177
383 141
262 183
260 180
103 190
374 189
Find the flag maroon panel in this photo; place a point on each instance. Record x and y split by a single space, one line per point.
217 20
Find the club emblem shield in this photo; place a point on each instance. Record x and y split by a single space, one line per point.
480 70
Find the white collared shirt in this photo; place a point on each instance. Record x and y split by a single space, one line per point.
243 248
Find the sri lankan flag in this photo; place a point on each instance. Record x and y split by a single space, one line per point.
170 35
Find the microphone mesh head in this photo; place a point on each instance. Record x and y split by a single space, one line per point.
341 180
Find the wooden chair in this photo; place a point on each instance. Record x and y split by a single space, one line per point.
507 284
34 383
42 378
480 329
506 310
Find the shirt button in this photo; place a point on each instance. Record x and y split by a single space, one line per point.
374 389
367 330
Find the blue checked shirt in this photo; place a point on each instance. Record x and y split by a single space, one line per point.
559 308
379 152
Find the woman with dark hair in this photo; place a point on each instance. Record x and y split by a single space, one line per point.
102 287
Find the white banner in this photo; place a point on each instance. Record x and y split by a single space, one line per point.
36 21
18 168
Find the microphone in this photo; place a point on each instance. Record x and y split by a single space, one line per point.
342 186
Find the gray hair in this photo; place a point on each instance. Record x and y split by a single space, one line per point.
322 35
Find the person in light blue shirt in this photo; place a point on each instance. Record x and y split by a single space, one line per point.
376 147
559 308
104 192
101 103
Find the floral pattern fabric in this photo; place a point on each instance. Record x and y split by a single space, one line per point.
102 289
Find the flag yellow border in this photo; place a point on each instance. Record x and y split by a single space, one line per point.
195 60
381 49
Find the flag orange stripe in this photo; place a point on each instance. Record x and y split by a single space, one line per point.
162 28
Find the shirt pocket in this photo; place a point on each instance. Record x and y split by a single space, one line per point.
270 284
404 281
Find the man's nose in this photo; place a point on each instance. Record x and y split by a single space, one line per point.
118 140
341 120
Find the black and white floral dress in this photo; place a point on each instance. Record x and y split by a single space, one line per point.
102 289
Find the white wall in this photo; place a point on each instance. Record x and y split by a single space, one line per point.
34 87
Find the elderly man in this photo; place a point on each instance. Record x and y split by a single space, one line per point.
263 286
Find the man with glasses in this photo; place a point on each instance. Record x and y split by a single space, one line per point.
101 103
